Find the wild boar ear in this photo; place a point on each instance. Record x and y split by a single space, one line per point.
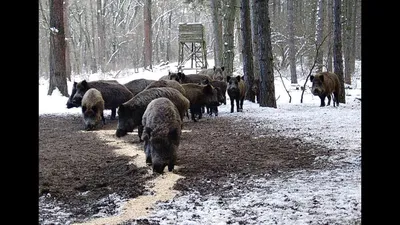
181 75
75 83
222 68
238 78
207 89
173 134
311 78
228 78
321 78
169 73
215 68
84 84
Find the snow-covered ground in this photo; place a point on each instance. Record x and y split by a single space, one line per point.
330 196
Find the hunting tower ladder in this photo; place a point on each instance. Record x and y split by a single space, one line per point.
192 46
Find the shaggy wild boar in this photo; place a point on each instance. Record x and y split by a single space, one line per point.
216 73
256 89
189 78
137 85
92 109
112 92
162 126
130 113
236 91
221 87
325 84
199 96
171 76
167 83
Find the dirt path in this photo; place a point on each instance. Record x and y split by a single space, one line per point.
79 168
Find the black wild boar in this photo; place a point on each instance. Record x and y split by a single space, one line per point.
199 96
172 76
92 109
113 93
256 89
325 84
236 91
137 85
162 128
216 73
189 78
130 113
167 83
221 87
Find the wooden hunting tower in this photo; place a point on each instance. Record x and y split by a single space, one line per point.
192 46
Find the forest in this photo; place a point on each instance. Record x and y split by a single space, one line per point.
258 38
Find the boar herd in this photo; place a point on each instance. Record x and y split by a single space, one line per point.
156 108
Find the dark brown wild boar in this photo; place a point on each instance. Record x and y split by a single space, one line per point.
236 91
216 73
200 95
167 83
113 93
162 128
130 113
325 84
137 85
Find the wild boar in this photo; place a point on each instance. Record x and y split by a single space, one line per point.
256 89
92 109
199 96
236 91
325 84
137 85
216 73
113 93
161 134
167 83
130 113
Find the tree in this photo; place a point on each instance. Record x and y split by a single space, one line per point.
58 75
147 35
254 38
330 39
319 35
101 34
267 86
67 38
247 50
349 36
228 36
217 31
337 49
292 46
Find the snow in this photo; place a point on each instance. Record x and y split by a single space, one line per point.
329 196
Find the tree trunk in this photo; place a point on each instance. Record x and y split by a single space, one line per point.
337 49
292 46
169 36
101 35
238 33
67 40
254 38
330 38
267 86
229 22
58 78
349 36
247 50
147 35
320 33
217 31
93 65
